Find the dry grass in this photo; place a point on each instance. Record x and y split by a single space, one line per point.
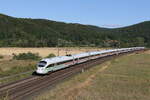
147 52
12 70
8 64
125 78
9 67
44 51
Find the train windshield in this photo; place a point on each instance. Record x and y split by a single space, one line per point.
51 65
42 63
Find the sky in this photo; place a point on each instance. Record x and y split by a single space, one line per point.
102 13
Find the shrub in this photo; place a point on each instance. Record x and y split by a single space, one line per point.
51 55
26 56
1 57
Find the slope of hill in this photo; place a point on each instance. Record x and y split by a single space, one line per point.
24 32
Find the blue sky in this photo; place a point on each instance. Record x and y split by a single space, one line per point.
103 13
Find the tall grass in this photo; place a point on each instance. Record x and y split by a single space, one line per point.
125 78
13 70
16 70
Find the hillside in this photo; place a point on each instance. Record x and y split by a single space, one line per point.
22 32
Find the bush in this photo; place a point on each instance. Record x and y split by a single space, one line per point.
26 56
1 57
51 55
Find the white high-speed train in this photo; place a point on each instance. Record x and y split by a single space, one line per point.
56 63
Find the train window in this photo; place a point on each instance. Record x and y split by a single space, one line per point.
83 57
51 65
68 55
59 63
42 63
76 59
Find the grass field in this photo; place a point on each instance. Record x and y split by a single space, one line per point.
6 61
45 51
9 66
124 78
14 67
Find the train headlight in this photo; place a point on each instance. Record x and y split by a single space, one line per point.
41 70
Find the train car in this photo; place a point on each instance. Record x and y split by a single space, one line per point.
56 63
53 64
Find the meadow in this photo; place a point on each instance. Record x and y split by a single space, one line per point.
11 67
45 51
123 78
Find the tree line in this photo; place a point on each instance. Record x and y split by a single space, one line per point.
23 32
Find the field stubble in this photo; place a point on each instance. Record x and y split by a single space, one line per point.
10 67
124 78
45 51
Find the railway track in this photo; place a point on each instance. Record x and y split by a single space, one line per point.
21 89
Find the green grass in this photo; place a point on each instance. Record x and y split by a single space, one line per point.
15 78
13 69
16 70
125 78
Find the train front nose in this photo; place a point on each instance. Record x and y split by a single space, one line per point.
41 71
41 67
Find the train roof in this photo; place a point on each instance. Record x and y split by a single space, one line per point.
57 59
85 54
66 58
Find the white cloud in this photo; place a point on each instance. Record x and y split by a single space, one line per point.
112 25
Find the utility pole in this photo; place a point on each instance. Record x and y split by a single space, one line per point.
67 51
58 47
66 47
57 51
57 40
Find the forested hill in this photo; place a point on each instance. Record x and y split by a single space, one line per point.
22 32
